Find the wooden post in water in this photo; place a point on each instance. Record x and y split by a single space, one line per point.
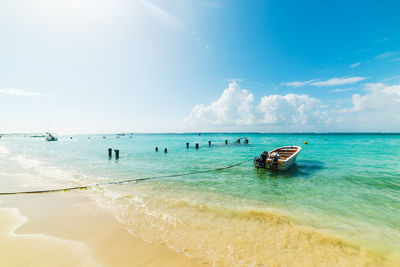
187 145
110 152
197 146
226 142
165 150
116 153
156 149
209 143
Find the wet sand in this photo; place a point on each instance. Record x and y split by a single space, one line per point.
69 229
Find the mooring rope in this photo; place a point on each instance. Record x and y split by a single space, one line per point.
121 182
47 191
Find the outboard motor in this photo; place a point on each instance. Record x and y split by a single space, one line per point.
263 159
274 159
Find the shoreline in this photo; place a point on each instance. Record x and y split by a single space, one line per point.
70 228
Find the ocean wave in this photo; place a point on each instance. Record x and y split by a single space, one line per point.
230 235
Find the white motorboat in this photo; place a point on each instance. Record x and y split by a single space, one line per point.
281 158
50 137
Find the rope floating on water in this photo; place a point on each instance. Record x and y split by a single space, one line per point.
176 175
120 182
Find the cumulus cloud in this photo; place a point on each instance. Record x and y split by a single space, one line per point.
19 92
232 108
290 109
235 108
377 110
380 98
338 81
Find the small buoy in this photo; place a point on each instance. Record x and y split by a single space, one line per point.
305 142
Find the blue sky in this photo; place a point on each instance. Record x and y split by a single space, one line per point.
85 66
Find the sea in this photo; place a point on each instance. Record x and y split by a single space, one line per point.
338 205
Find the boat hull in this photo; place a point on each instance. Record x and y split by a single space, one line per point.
282 165
51 137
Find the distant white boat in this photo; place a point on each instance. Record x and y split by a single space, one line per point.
281 158
50 137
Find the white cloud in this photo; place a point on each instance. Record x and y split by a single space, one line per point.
378 110
341 90
338 81
381 98
290 109
388 55
19 92
297 83
330 82
232 108
235 107
355 65
230 80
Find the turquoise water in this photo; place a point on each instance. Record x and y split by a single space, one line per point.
344 185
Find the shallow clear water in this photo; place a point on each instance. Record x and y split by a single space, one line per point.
343 187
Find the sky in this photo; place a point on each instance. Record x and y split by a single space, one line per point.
106 66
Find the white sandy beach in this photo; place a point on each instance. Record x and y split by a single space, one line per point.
68 229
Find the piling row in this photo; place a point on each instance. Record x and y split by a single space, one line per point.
116 151
197 145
